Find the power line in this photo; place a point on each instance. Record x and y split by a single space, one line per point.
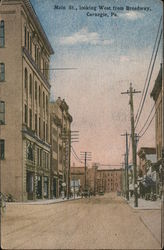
147 119
148 69
148 82
75 154
150 120
143 97
148 125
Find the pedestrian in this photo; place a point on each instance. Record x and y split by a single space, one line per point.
62 194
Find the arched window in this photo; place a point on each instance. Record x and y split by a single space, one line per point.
2 34
2 72
30 85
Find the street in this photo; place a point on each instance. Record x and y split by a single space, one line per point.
99 222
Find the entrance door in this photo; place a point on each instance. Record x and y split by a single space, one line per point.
54 187
39 187
45 187
29 185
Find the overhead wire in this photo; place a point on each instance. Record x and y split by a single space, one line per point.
143 102
147 119
140 108
150 120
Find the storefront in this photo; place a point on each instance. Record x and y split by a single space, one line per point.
39 187
45 187
30 185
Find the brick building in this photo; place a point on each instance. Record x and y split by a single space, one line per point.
108 179
24 95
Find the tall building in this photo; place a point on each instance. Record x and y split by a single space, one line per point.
60 124
24 95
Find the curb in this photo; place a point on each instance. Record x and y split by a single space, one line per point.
43 202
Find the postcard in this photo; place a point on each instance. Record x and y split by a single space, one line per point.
82 124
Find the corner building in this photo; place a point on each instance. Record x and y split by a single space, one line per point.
24 102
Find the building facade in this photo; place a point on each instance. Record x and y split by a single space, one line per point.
78 178
60 131
108 180
156 94
24 95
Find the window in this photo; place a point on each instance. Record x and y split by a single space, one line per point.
25 78
2 149
30 155
39 95
36 123
2 112
25 114
30 117
2 34
30 85
28 37
35 52
47 132
43 100
38 156
30 45
39 127
44 131
2 72
35 90
25 36
46 103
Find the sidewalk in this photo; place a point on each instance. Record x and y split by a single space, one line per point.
150 214
45 202
145 204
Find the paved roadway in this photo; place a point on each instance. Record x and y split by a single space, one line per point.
101 222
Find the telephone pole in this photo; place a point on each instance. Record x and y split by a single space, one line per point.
126 166
69 137
130 92
162 165
86 156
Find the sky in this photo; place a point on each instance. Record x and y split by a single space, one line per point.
110 49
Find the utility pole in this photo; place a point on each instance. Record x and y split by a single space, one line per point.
162 166
86 156
69 137
130 92
126 166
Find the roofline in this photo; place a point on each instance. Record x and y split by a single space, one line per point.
33 14
39 25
